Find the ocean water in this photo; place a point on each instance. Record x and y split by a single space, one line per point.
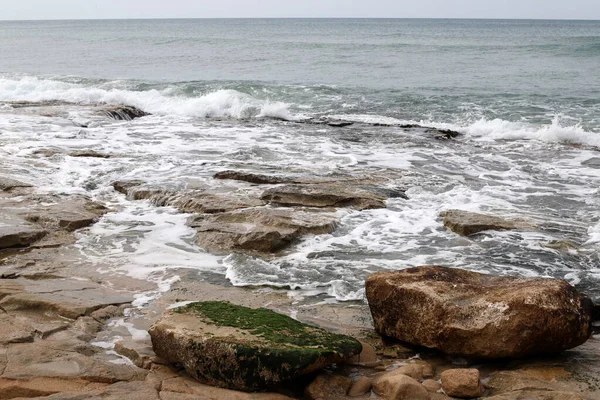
228 94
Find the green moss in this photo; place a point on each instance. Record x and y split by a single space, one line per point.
277 329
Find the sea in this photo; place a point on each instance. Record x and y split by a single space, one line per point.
233 93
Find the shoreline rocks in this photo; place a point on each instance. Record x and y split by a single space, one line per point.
245 349
466 223
470 314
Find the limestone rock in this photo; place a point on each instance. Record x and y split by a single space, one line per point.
538 395
361 387
188 201
462 383
399 387
66 297
235 347
328 386
262 230
511 381
9 183
431 385
183 388
467 223
324 195
19 235
466 313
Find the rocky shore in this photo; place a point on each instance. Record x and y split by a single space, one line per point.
74 332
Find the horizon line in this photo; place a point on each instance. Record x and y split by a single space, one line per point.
296 18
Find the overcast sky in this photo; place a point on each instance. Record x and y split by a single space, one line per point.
74 9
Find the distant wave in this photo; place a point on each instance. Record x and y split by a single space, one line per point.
225 103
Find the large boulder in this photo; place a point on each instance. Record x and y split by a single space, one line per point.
467 223
240 348
471 314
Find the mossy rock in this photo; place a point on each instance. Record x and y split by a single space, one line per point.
226 345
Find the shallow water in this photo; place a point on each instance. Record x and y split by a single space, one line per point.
231 94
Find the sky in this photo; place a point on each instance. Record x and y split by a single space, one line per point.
100 9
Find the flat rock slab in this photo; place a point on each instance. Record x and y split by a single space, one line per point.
19 234
263 230
9 183
470 314
467 223
324 195
187 201
240 348
66 297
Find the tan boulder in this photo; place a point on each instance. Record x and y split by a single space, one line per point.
394 386
462 383
431 385
466 313
361 387
328 386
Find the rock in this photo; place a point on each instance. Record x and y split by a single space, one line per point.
118 391
470 314
399 387
89 154
181 388
415 371
252 178
264 230
125 186
324 195
19 235
368 356
123 113
68 298
510 381
467 223
42 386
188 201
361 387
140 353
538 395
328 386
462 383
431 385
7 184
235 347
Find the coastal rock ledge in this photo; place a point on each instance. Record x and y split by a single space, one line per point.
470 314
240 348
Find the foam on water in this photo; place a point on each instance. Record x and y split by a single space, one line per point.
219 103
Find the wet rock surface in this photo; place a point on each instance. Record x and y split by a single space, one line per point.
467 223
471 314
245 349
264 230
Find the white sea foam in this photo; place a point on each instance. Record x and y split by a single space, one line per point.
220 103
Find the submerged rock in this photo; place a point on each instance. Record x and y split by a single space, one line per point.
467 223
123 113
470 314
325 195
240 348
263 229
252 178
